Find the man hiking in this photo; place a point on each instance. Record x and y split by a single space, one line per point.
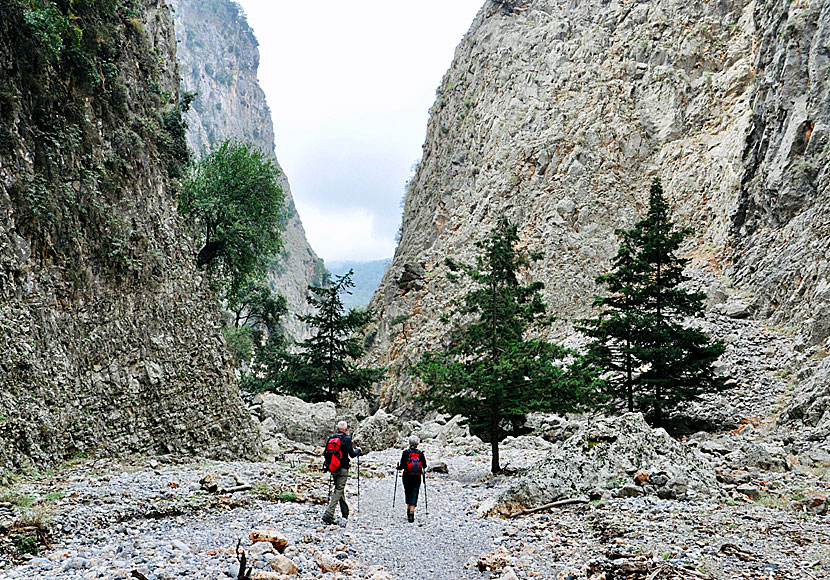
337 456
414 466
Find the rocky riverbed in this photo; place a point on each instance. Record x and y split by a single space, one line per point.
106 519
746 499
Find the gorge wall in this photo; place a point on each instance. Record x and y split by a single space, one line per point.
557 114
219 58
110 341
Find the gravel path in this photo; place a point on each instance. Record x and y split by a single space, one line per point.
160 523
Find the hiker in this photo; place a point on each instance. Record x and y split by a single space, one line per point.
414 465
337 456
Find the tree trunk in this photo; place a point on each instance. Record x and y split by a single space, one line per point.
494 444
208 253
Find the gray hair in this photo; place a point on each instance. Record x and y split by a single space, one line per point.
342 426
413 441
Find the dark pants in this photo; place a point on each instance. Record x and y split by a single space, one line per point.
411 487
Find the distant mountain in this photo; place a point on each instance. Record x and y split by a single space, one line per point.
366 278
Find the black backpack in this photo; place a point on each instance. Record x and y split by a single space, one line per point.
333 454
413 463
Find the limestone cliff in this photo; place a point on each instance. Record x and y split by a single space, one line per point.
557 114
110 341
219 58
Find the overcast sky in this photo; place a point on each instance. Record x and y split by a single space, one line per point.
350 85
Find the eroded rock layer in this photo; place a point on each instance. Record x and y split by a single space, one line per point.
557 114
109 338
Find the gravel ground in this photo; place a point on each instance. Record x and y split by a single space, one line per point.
108 518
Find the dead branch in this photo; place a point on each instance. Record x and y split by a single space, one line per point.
236 488
560 503
243 561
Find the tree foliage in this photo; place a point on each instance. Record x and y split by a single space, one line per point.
234 196
652 358
492 373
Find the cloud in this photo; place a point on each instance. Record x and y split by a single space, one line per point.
345 234
350 85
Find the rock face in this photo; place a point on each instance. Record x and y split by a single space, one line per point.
622 455
110 339
557 114
218 59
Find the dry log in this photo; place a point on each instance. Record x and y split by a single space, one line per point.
560 503
243 487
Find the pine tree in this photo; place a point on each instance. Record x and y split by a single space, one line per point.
492 374
325 365
653 360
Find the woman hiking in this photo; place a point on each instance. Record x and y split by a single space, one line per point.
414 464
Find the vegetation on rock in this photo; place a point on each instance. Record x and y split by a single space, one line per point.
234 196
493 373
652 359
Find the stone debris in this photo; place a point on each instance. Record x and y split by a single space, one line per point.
611 456
763 515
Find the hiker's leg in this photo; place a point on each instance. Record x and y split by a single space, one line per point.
337 494
412 488
340 481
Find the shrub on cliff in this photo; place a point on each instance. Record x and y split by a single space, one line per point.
493 374
233 195
652 359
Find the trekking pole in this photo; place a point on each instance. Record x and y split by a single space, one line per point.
426 499
358 484
331 478
394 493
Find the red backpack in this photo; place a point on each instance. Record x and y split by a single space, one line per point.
333 454
413 463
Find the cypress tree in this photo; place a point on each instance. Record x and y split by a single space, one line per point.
492 374
325 365
652 359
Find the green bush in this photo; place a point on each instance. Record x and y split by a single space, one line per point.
25 544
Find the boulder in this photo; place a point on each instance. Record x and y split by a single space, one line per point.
210 482
437 467
606 453
271 536
330 563
760 456
551 427
440 431
525 442
496 560
378 432
310 423
283 565
813 504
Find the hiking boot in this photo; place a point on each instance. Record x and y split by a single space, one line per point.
411 517
328 520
